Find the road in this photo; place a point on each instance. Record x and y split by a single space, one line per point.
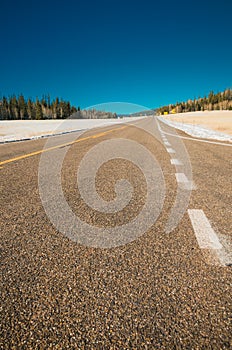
160 289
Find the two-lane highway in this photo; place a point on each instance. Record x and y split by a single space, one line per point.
161 290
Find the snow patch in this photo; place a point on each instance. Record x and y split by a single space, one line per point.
198 131
19 130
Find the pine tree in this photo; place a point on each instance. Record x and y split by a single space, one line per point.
38 108
22 107
30 109
56 108
15 107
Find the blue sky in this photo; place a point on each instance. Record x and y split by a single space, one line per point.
148 53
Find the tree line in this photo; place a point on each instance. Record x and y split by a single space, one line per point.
16 108
19 108
93 114
214 101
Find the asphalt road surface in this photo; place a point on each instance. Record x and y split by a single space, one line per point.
159 290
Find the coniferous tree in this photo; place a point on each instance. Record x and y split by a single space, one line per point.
38 109
22 107
30 109
19 108
218 101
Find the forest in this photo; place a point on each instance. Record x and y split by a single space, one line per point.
214 101
20 108
16 108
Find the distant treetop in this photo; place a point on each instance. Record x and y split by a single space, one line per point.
15 108
218 101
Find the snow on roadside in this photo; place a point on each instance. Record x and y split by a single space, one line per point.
19 130
198 131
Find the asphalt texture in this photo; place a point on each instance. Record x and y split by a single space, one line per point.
160 291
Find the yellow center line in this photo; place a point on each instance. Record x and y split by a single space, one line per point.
59 146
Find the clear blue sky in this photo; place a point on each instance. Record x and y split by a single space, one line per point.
149 53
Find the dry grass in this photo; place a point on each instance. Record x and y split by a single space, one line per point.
216 120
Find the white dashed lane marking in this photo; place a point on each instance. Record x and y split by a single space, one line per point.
183 180
181 177
175 161
207 238
220 250
170 150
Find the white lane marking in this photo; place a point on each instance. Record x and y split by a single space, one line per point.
175 161
208 239
167 143
183 180
206 236
190 185
170 150
181 177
